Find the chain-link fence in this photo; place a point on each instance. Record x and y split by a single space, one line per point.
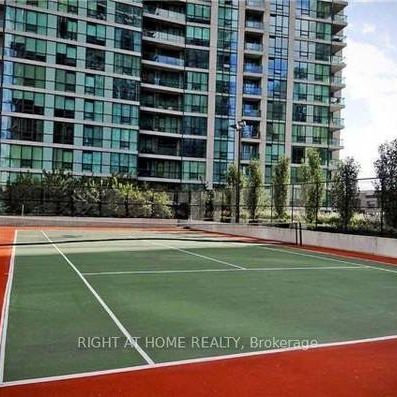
373 210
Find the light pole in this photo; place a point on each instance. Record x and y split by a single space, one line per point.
239 126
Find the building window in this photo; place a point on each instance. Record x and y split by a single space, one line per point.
26 157
26 20
193 170
198 13
23 102
65 80
26 75
93 110
92 136
64 107
197 36
276 110
127 40
196 58
194 147
194 125
124 139
68 6
62 159
96 34
63 133
128 15
96 9
23 129
67 28
125 114
195 103
27 48
123 163
94 84
92 162
127 64
125 89
95 59
196 81
66 54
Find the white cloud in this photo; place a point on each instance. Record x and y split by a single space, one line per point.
368 28
371 102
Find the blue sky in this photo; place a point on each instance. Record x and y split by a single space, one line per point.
371 78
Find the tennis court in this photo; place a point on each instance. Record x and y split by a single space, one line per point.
215 293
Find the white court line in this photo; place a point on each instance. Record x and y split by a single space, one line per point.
198 360
104 305
199 255
5 310
258 269
291 251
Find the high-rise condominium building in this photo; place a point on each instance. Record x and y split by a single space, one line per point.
154 89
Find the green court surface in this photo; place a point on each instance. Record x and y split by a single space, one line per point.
173 288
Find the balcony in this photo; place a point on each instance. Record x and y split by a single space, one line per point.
159 103
337 62
251 112
250 132
250 89
153 57
169 15
163 36
252 68
336 123
252 24
251 46
337 103
158 79
255 3
336 143
337 83
339 18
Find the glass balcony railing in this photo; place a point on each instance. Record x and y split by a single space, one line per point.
161 150
337 60
254 24
252 68
249 155
159 104
163 59
255 3
250 112
252 90
252 133
337 101
336 143
337 123
341 18
162 12
253 46
163 81
339 38
164 36
338 80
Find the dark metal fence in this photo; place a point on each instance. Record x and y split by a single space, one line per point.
371 209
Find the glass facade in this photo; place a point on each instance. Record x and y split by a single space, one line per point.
153 89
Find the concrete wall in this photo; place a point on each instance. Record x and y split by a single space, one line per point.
365 244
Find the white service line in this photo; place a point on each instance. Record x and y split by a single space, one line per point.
258 269
199 360
326 258
5 310
104 305
199 255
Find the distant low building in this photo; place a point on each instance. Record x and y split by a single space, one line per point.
368 202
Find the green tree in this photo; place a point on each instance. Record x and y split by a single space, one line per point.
254 189
280 186
345 190
311 176
386 171
232 179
